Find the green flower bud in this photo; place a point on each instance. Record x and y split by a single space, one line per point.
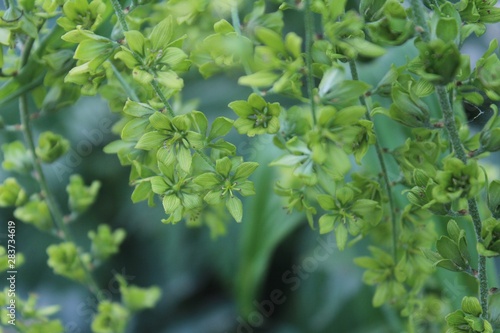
110 317
11 193
65 260
106 243
490 140
256 116
441 61
51 146
81 197
407 108
394 28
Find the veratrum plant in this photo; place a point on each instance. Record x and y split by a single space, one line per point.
391 163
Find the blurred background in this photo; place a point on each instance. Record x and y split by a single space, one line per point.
270 273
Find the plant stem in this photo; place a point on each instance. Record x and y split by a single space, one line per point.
49 198
162 97
121 18
456 144
421 22
128 89
309 27
237 28
383 167
120 14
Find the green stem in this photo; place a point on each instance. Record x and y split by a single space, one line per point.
128 89
121 18
49 198
420 19
120 14
383 167
162 97
205 158
309 27
456 144
237 28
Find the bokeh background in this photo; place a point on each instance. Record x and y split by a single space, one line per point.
211 282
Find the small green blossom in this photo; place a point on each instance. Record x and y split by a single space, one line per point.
457 180
81 197
468 319
228 179
347 214
66 261
11 193
172 139
110 318
256 116
81 13
51 146
178 192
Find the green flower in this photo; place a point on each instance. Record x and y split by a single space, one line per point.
51 146
386 274
347 215
457 180
441 61
81 197
172 139
106 243
81 13
65 260
468 319
110 318
11 193
256 116
35 212
155 57
179 193
228 179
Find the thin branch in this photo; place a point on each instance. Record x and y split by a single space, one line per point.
120 14
49 198
456 144
383 167
309 26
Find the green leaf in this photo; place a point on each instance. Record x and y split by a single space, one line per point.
223 27
258 79
134 128
171 203
141 192
150 141
184 158
135 41
244 170
381 294
137 110
220 127
161 34
223 166
326 223
341 236
326 201
449 250
235 207
207 180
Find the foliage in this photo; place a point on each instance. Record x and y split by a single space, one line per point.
307 97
